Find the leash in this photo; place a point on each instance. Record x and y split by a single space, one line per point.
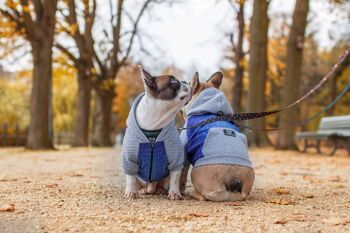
304 122
256 115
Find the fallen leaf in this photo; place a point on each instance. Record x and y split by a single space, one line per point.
5 179
52 185
287 202
234 203
75 174
301 218
281 191
334 221
335 179
308 196
276 161
7 208
347 205
196 214
282 222
281 201
312 180
284 173
339 186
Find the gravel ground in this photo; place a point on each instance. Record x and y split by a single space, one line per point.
80 190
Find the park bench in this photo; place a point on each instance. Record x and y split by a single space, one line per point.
336 129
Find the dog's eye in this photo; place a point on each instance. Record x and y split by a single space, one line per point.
174 82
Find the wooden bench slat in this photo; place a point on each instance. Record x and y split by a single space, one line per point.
335 128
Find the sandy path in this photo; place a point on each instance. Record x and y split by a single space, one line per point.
79 190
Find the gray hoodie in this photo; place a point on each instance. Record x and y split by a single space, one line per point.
151 160
219 142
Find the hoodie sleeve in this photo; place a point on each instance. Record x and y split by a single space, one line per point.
129 153
174 150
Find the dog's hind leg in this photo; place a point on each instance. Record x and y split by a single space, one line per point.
196 195
183 179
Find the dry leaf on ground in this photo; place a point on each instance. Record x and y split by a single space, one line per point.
7 208
336 221
308 196
197 214
75 174
281 201
339 186
335 179
301 218
52 185
281 191
347 205
5 179
281 221
313 180
234 203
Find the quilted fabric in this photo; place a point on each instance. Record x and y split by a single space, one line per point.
168 154
218 142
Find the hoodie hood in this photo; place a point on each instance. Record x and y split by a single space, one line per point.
134 127
210 101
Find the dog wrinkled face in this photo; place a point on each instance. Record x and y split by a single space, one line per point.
166 87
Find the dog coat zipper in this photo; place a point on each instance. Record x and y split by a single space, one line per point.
152 141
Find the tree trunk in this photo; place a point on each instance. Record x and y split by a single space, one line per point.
39 135
258 70
291 86
102 122
239 56
83 109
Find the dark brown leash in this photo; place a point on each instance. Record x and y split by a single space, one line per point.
256 115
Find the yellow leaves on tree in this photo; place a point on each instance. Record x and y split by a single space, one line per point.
64 98
128 86
121 104
14 99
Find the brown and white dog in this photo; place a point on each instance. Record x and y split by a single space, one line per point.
221 170
152 151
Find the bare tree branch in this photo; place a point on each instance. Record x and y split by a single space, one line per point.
28 21
131 41
67 52
38 8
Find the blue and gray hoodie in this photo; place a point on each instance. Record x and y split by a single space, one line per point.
150 160
219 142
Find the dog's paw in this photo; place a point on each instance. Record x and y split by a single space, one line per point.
131 195
143 191
174 195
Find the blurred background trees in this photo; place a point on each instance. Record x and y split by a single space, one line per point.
82 73
291 84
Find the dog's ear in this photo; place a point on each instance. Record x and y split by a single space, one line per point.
195 84
148 79
216 79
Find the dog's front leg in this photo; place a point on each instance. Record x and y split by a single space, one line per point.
131 191
174 189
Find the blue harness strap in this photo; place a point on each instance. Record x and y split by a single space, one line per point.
153 164
196 136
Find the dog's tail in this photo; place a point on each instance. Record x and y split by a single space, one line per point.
234 186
